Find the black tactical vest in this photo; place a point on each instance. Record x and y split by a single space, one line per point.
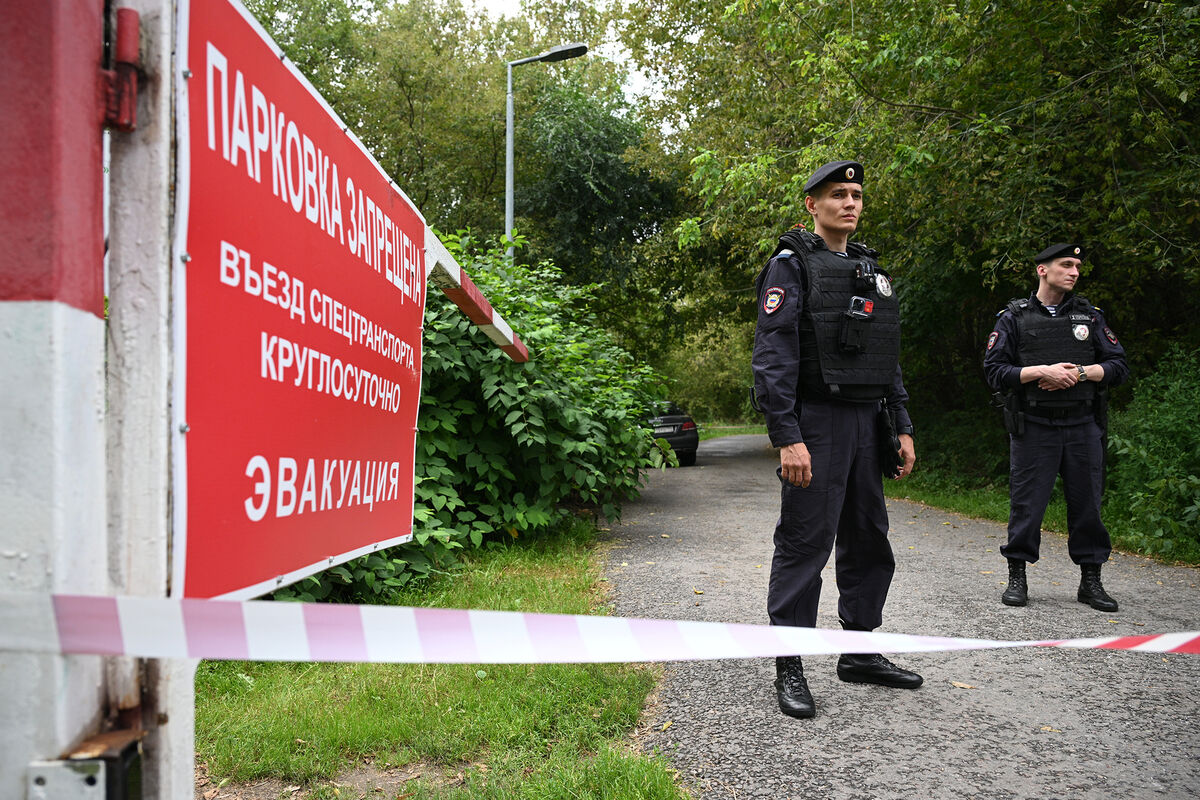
1043 339
843 355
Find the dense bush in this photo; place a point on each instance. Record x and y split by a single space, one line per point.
507 449
1153 498
709 372
968 449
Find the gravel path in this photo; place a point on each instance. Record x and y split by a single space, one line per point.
987 724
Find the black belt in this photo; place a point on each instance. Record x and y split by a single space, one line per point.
1059 412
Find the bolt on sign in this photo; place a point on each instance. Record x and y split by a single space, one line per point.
298 300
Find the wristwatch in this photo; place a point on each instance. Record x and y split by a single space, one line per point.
1082 373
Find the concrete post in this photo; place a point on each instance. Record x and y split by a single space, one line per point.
139 375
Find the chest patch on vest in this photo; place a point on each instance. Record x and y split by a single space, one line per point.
1108 334
992 340
1081 332
883 285
773 299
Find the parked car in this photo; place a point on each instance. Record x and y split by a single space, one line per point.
679 429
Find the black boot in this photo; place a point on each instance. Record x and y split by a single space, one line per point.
1091 591
874 668
1017 593
791 686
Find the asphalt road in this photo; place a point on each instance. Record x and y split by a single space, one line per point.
996 724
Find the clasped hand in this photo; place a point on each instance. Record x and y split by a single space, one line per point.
1062 375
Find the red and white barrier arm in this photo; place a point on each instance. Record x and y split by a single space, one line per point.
442 271
266 631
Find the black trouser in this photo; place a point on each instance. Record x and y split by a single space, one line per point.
843 505
1039 455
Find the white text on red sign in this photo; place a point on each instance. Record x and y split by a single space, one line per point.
304 177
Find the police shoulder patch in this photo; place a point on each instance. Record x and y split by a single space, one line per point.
773 299
992 339
1108 334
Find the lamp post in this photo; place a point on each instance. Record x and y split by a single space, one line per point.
558 53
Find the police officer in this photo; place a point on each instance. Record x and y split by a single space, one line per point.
1052 356
827 377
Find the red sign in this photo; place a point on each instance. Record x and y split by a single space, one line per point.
298 308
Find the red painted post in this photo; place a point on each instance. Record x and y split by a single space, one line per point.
50 153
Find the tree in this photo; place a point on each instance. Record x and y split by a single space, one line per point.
588 206
987 129
423 85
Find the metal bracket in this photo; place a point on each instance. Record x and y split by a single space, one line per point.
120 84
66 780
107 766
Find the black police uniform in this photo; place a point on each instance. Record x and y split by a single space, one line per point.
1060 434
822 384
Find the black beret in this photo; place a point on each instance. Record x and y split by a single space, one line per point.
839 171
1059 250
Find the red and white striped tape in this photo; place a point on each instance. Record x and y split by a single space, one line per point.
442 271
267 631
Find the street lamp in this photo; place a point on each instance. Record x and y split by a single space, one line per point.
558 53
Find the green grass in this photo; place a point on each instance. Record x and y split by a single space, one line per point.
991 502
512 731
608 775
983 502
717 429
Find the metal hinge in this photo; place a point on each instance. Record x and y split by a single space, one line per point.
120 83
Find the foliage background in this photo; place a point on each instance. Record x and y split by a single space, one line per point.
1154 466
987 130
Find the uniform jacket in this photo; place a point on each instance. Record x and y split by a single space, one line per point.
1002 361
779 341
